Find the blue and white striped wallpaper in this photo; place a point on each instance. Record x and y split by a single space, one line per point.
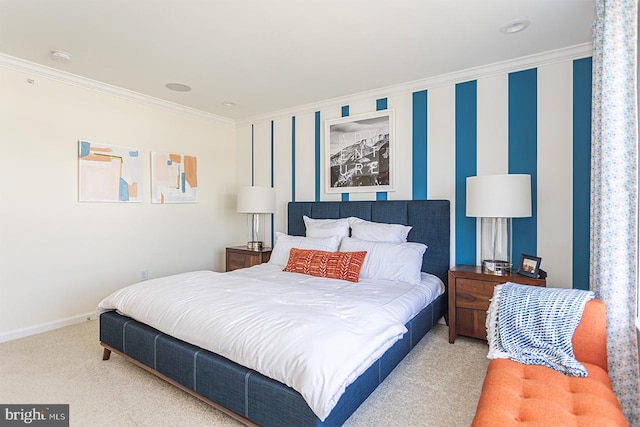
534 121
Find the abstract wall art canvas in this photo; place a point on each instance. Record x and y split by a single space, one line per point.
109 173
174 178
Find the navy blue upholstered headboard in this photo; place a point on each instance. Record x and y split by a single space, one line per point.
429 220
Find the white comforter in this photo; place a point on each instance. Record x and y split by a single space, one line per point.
315 335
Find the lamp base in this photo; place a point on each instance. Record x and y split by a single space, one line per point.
497 267
255 245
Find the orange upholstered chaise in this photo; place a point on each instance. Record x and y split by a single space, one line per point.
514 394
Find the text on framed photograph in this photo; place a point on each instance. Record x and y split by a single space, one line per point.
359 153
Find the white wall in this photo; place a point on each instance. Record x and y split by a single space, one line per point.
60 257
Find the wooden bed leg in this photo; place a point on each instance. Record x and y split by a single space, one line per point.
106 354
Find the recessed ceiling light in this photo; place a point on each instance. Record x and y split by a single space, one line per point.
61 56
178 87
229 104
515 26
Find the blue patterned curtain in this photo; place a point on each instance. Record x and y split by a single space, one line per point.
614 192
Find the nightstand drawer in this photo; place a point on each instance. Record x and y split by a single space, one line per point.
474 294
242 257
236 260
470 293
471 323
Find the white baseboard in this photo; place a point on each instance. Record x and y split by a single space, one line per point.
44 327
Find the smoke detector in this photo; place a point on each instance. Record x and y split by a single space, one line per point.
61 56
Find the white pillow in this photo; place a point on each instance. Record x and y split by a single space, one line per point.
284 243
377 231
400 262
326 227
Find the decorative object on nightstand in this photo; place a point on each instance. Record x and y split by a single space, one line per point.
243 257
529 266
470 290
256 200
496 199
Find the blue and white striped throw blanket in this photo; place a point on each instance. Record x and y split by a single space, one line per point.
534 326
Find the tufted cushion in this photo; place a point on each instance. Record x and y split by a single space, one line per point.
514 394
335 265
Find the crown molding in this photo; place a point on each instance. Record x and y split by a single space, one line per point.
536 60
513 65
24 66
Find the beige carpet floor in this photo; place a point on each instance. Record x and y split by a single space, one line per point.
438 384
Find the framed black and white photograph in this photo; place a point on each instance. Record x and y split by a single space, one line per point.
529 265
359 153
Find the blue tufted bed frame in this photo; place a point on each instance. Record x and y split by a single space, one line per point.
253 398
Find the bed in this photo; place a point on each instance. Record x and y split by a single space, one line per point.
254 398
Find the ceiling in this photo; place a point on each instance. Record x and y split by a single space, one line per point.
270 55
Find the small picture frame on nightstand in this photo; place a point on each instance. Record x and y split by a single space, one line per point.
529 265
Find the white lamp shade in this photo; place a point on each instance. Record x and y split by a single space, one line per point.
499 196
256 200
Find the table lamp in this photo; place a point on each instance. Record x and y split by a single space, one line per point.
496 199
256 200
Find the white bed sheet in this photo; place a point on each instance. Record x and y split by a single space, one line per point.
316 335
403 300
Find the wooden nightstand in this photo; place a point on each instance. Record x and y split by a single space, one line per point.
469 293
242 257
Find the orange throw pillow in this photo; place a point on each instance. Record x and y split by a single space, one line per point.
335 265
